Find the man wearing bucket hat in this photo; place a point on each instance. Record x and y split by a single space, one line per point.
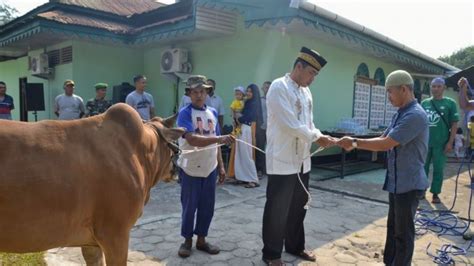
406 140
99 104
290 133
443 120
199 171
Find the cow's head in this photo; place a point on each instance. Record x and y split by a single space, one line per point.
167 150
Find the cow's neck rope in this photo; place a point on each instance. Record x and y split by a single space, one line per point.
172 146
320 149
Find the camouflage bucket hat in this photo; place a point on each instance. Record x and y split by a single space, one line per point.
197 81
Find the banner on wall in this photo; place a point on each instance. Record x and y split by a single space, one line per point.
372 108
361 104
377 107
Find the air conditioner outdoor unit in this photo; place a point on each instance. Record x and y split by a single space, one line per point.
39 65
175 61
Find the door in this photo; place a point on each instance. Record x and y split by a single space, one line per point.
23 106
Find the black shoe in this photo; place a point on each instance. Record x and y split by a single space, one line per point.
436 199
184 250
274 262
208 248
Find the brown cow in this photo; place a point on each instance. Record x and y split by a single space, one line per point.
80 183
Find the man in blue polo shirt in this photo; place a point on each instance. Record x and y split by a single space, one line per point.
199 170
406 140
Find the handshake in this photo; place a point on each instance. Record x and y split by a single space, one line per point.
328 141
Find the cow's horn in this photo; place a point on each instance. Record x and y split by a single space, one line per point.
170 121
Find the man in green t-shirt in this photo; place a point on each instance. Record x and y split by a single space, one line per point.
443 120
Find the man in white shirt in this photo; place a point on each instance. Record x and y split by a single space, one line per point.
185 100
290 133
215 101
68 106
140 100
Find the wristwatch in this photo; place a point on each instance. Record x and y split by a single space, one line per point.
354 143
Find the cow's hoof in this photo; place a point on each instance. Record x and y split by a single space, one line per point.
184 250
208 248
468 235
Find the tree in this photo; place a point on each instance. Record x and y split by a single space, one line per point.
7 13
462 59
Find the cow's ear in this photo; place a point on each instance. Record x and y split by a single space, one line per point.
170 121
173 133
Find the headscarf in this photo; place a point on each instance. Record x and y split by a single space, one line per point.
255 104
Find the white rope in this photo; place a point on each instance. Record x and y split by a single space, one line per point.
196 149
320 149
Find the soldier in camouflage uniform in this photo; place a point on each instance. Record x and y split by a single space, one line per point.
99 104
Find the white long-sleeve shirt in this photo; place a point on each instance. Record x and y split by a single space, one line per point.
290 127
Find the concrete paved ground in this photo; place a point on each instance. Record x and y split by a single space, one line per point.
341 227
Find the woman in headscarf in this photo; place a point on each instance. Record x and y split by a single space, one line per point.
242 163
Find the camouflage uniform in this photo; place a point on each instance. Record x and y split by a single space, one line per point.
95 107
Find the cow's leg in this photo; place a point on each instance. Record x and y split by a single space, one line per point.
115 248
93 256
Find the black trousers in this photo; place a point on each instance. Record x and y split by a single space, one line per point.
261 139
400 241
284 215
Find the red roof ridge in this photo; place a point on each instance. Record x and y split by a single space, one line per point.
118 7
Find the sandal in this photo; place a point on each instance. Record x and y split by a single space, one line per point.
304 255
208 248
234 181
252 185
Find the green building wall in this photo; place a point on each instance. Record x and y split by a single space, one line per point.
249 56
111 64
240 60
11 71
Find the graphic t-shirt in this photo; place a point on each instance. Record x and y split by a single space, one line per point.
202 122
439 129
142 102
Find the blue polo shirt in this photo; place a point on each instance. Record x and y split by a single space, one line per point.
405 166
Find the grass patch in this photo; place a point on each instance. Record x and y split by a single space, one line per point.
36 259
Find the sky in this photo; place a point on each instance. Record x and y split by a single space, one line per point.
433 27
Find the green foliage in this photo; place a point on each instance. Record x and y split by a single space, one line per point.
462 59
7 13
36 259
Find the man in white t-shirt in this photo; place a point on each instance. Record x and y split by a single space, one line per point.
140 100
185 100
68 106
199 170
215 101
